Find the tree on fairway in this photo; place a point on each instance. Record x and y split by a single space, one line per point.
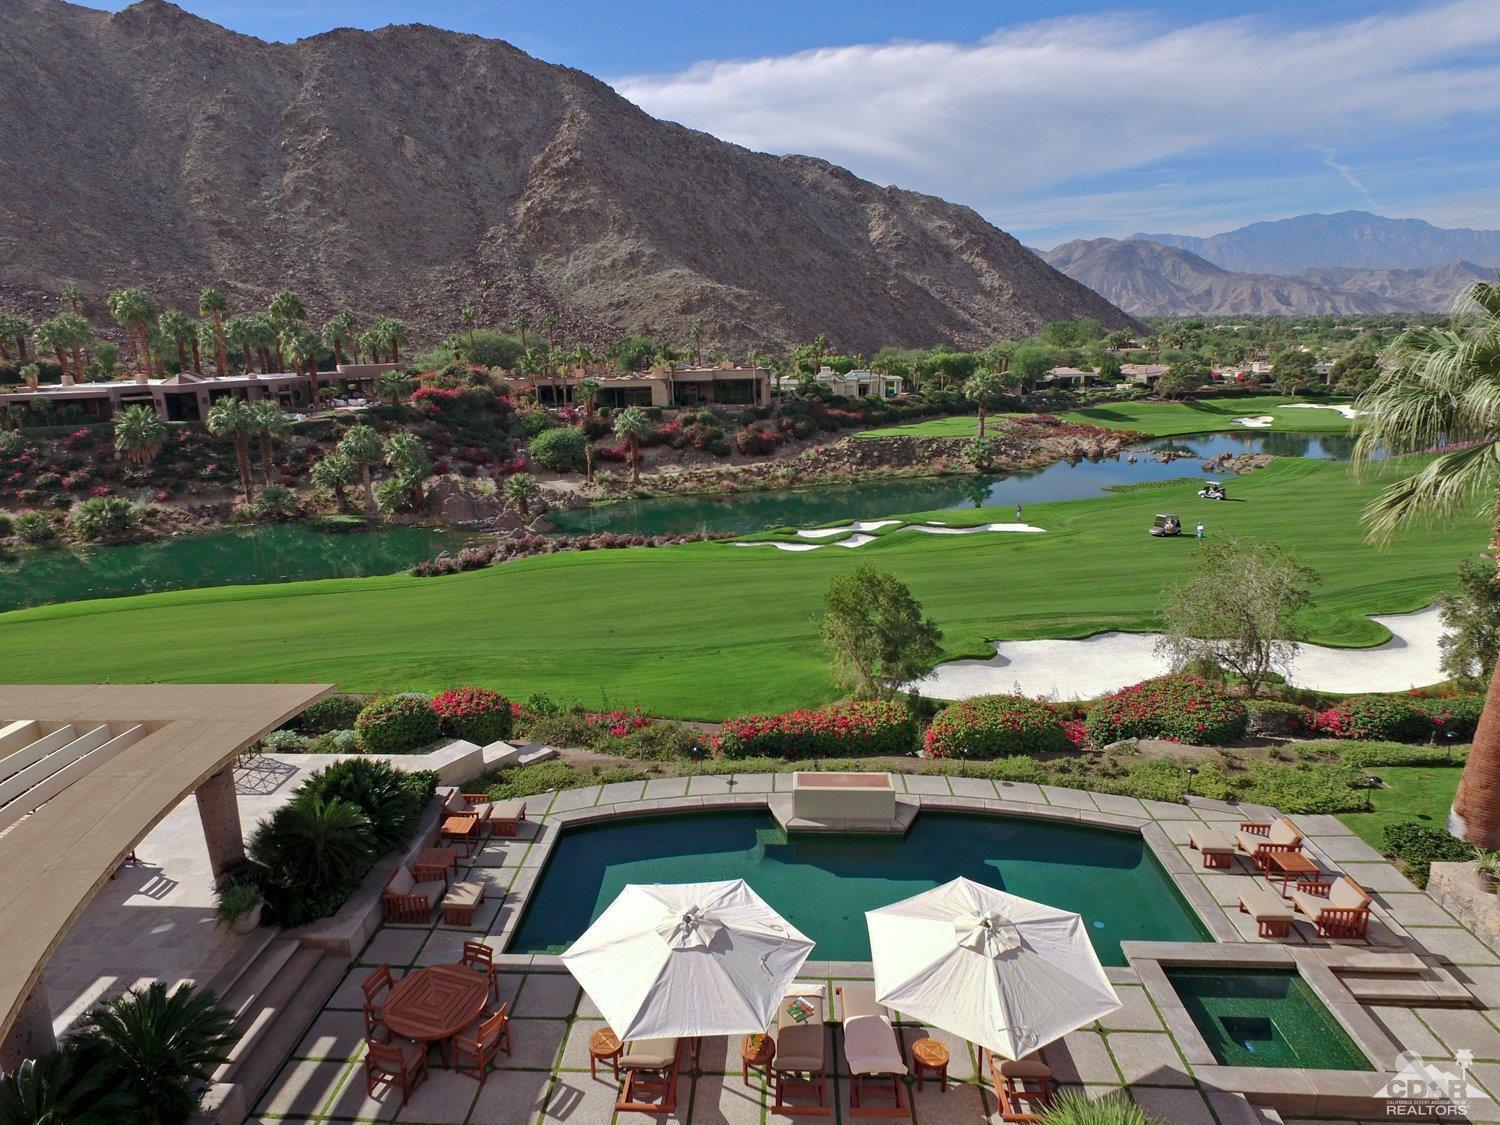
876 633
232 418
983 388
139 434
335 472
271 425
362 445
1471 623
1235 609
1293 369
520 491
211 303
1440 386
633 426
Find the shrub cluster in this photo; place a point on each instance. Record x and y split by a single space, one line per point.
397 724
843 730
1181 708
1278 717
1418 847
1401 718
336 712
995 726
477 715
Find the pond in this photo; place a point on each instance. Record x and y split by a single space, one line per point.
745 512
824 884
248 556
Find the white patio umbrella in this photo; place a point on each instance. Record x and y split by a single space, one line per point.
688 959
1004 972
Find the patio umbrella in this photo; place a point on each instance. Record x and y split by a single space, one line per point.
687 959
1004 972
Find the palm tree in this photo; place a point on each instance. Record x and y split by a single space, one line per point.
139 434
334 471
178 327
369 345
52 336
469 316
521 324
587 393
13 330
232 418
337 332
159 1046
549 325
393 332
239 333
72 296
135 312
78 335
301 348
211 303
394 385
696 334
56 1091
982 388
634 427
287 307
520 491
1441 387
264 337
271 425
405 458
363 447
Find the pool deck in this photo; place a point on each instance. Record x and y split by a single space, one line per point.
1422 983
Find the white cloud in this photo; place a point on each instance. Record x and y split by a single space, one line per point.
996 122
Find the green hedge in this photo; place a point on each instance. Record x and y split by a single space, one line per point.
995 726
397 724
1182 708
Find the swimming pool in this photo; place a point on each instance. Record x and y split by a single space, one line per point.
824 884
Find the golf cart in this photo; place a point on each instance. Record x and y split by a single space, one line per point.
1166 524
1213 491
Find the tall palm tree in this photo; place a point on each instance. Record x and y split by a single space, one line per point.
160 1045
232 418
334 471
469 316
696 334
72 296
405 458
301 349
549 326
587 394
239 333
211 303
135 312
521 324
982 389
362 445
394 385
139 434
264 336
178 327
634 427
286 306
1441 387
13 330
393 332
271 425
338 331
52 336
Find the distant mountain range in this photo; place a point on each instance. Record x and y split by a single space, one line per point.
1354 239
1147 278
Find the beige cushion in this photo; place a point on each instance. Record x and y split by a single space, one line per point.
1311 905
430 891
457 805
401 882
649 1054
507 810
1285 832
858 1000
1264 905
1022 1068
482 810
464 894
1347 894
1209 841
870 1046
1250 842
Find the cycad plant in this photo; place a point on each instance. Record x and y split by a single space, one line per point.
57 1091
139 434
312 843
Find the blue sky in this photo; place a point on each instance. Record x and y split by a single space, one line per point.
1054 120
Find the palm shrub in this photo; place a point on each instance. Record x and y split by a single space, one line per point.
1076 1109
996 726
56 1091
35 527
390 801
104 517
156 1046
275 502
139 434
308 855
397 724
474 714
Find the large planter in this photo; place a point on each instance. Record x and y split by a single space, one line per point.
247 922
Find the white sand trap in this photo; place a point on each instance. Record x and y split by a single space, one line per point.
939 529
1084 669
781 546
1347 411
855 540
857 525
1259 422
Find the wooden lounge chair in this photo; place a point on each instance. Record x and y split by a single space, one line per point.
650 1085
506 817
476 1047
478 955
873 1053
1215 847
1340 909
1258 839
400 1063
477 805
1273 917
406 900
1024 1088
799 1066
376 985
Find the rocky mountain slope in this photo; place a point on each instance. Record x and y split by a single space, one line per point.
1355 239
413 171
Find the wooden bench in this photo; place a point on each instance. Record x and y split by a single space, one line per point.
1215 847
1270 911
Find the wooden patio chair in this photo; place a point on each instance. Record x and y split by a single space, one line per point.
873 1053
376 985
476 1047
470 804
399 1064
478 956
1024 1088
406 900
651 1068
1340 909
800 1065
1258 839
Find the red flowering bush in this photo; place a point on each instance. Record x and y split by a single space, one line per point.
996 726
844 730
476 715
1182 708
1400 718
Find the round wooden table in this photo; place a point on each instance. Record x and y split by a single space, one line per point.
604 1046
756 1053
929 1055
433 1005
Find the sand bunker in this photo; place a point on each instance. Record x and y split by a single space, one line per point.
1347 411
1084 669
858 538
1259 422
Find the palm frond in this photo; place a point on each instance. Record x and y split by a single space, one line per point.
1442 489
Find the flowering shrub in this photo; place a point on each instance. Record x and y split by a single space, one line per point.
477 715
397 724
1275 717
996 726
1400 718
844 730
1183 708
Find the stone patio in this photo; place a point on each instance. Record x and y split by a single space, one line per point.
1134 1052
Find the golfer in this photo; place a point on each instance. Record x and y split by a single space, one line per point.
1200 531
1018 513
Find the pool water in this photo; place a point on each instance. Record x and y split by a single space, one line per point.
1255 1017
824 884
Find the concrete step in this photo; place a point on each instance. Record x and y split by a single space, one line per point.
1412 990
260 1008
296 1013
247 958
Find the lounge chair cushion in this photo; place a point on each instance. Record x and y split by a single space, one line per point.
430 891
858 1000
1346 894
1209 841
1264 905
507 810
799 1046
1311 905
464 894
649 1054
1022 1068
1285 832
870 1046
401 882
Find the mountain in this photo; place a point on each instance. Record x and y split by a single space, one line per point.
1416 290
414 171
1148 279
1354 239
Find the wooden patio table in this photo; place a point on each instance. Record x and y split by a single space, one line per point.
1287 866
433 864
432 1005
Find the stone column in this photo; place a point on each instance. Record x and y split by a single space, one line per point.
220 810
30 1037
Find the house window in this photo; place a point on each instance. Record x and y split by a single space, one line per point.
734 392
624 396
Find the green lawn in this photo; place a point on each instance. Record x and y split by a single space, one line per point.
708 629
1161 419
1423 793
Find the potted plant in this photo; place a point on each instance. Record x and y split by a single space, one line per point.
239 907
1489 869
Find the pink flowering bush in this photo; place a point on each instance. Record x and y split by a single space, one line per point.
996 726
476 715
1400 718
843 730
1180 708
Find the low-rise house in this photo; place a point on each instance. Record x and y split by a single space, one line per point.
664 386
1074 376
1143 373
